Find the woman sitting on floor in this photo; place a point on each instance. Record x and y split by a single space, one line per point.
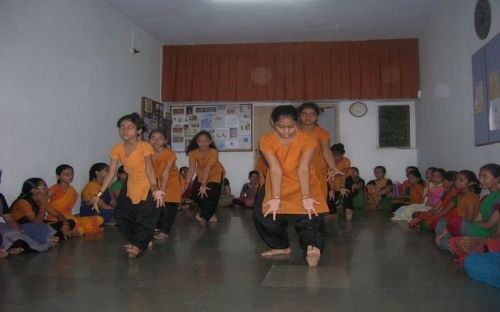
248 191
378 189
121 180
32 205
16 238
106 204
63 198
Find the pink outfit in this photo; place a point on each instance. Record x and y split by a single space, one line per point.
434 193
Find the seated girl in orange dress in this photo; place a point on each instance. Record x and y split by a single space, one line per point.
106 205
63 198
379 188
466 206
429 219
292 189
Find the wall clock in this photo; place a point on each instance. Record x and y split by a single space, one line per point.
358 109
482 18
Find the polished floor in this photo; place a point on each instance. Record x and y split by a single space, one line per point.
371 264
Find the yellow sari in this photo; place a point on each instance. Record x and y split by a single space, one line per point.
64 202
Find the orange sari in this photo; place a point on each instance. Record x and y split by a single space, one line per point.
63 202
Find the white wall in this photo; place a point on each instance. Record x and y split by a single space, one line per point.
360 137
66 76
445 126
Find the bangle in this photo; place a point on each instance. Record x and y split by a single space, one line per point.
276 197
305 196
99 194
154 187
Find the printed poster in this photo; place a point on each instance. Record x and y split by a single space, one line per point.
232 121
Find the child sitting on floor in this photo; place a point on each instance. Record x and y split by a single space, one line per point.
379 189
248 191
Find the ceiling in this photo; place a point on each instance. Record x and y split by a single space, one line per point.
246 21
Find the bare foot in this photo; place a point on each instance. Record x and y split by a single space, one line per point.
150 246
133 251
313 255
160 235
440 237
3 253
16 251
127 246
276 252
53 241
348 214
213 219
200 220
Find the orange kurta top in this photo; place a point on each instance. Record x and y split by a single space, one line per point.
160 161
417 193
210 159
464 201
289 159
261 166
318 160
89 191
343 166
135 166
20 209
62 201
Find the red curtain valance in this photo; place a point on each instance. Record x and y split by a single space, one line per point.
380 69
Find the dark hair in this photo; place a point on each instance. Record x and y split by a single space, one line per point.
450 175
193 145
472 178
158 131
121 170
61 168
135 119
494 169
284 111
355 169
96 167
310 105
252 172
412 168
380 167
338 149
417 175
26 189
441 171
183 168
430 168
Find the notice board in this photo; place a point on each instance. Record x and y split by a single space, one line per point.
230 125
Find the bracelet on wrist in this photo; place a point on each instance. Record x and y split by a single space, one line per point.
306 196
99 194
276 197
154 187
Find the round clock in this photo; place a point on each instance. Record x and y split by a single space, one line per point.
358 109
482 18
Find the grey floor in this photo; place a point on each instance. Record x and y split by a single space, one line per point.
370 264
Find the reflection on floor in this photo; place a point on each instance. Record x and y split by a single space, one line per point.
371 264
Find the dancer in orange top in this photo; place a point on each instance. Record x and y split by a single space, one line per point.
168 176
322 161
292 188
136 213
207 187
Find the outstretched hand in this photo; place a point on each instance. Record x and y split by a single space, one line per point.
274 207
308 205
158 197
203 191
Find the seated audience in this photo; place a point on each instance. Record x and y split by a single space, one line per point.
106 204
118 184
249 191
378 189
63 198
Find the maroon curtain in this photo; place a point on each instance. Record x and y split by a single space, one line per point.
380 69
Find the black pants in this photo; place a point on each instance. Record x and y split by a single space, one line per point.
208 205
137 222
274 233
58 227
167 217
